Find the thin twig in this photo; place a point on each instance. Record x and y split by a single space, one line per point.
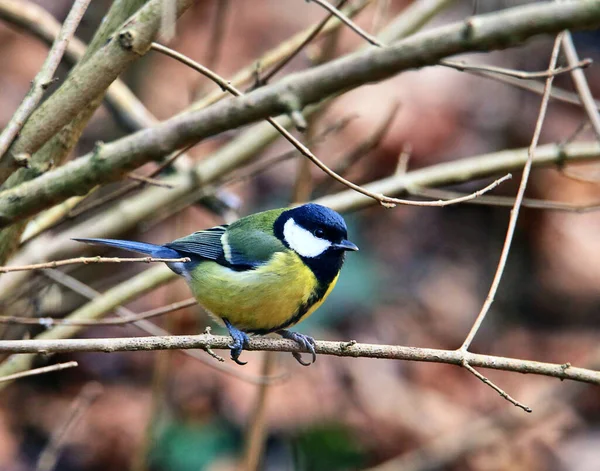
348 22
514 215
142 324
310 35
149 181
39 371
360 151
127 188
89 260
44 77
577 65
557 94
581 84
579 178
80 405
509 201
255 435
268 163
215 44
127 319
278 54
385 201
341 349
496 388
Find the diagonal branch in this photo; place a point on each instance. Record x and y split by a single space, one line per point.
44 77
110 161
581 84
514 214
93 78
304 150
90 260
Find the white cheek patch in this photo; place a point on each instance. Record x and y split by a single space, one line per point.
303 242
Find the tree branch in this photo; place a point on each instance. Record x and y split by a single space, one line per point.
514 214
340 349
90 260
93 78
109 162
44 77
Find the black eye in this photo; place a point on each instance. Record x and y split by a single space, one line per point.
319 232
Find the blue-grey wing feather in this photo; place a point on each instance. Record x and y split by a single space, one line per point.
209 244
204 244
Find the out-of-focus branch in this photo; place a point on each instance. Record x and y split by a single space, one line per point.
581 84
93 77
309 37
277 55
126 319
341 349
144 205
43 79
514 213
39 371
49 456
304 150
109 162
125 106
463 170
348 22
90 260
508 201
233 155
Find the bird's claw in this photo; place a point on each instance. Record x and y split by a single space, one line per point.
304 341
240 340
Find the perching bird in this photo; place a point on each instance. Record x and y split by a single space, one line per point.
264 273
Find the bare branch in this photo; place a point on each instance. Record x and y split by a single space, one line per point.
463 67
514 214
98 72
309 86
509 201
39 371
583 89
304 150
44 77
88 260
348 22
312 34
340 349
496 388
125 319
50 454
110 161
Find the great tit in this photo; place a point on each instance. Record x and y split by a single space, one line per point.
264 273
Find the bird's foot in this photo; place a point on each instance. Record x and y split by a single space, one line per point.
240 340
304 341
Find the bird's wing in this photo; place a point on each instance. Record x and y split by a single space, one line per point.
235 247
204 244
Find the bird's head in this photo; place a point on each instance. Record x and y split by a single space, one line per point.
313 231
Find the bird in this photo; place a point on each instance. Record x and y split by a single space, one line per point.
261 274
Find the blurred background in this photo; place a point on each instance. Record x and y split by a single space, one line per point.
419 279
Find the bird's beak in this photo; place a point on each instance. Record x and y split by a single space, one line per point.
345 245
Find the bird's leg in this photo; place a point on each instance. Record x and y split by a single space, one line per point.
304 341
240 340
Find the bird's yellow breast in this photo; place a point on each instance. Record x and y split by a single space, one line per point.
271 297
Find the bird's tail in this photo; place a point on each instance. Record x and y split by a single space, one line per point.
141 247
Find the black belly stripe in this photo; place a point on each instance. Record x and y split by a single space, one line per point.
325 268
